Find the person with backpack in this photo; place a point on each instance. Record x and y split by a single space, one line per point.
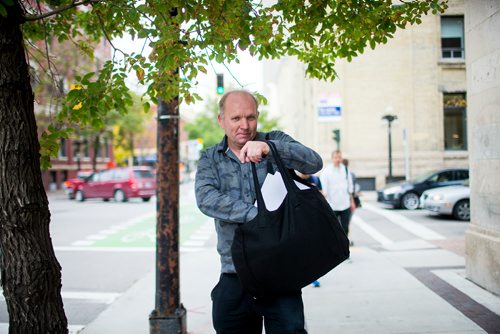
338 188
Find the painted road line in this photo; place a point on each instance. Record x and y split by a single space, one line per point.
103 249
96 239
405 223
183 249
96 297
83 243
97 236
372 232
194 243
199 236
456 278
140 235
107 232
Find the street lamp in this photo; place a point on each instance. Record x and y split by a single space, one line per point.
390 118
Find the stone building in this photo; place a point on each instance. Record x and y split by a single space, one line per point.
419 76
483 84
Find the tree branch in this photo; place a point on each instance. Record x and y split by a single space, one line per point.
59 10
106 34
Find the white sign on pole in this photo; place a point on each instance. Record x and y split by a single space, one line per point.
330 109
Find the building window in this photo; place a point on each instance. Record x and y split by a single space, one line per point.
97 147
62 148
106 148
452 37
455 121
85 148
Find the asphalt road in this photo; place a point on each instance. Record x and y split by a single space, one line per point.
105 247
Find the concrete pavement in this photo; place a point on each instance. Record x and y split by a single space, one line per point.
420 288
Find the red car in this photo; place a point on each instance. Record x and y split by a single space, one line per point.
71 184
118 183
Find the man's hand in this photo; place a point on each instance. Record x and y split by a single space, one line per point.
353 205
253 151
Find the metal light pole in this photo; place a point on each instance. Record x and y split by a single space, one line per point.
390 119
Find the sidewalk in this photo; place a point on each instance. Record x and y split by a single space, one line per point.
418 290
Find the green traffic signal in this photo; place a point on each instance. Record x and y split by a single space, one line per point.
336 135
220 84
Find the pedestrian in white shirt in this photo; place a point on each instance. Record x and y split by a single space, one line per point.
338 189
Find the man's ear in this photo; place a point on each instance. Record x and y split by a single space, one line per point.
219 120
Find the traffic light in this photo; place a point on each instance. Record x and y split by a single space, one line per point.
220 84
336 137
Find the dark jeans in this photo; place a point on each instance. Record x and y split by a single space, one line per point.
344 217
236 312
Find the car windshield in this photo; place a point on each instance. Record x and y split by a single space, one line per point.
143 174
422 177
84 175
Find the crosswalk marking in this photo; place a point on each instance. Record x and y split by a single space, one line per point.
405 223
372 232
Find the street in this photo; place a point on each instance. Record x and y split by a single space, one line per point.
105 248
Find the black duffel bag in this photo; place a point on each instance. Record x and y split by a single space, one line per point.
281 251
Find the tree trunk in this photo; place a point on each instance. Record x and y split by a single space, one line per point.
131 143
30 272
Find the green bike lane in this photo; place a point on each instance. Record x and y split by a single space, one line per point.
140 233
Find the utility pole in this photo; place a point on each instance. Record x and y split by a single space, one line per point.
390 119
169 315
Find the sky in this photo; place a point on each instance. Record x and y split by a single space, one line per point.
248 73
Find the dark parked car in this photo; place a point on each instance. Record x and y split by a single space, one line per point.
118 183
406 195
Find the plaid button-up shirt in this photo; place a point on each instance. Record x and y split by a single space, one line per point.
225 189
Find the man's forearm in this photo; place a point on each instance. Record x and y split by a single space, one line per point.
217 205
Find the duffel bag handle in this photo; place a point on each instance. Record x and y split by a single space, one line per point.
285 175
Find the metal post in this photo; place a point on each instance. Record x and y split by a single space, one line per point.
169 315
407 154
390 152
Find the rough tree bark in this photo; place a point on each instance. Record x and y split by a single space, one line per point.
30 272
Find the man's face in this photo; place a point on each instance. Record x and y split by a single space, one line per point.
337 159
239 120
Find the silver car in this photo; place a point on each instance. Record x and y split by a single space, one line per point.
453 200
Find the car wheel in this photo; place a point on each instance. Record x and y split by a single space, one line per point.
120 196
79 196
410 201
105 199
146 199
461 210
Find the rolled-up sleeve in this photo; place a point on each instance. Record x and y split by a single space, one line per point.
215 203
